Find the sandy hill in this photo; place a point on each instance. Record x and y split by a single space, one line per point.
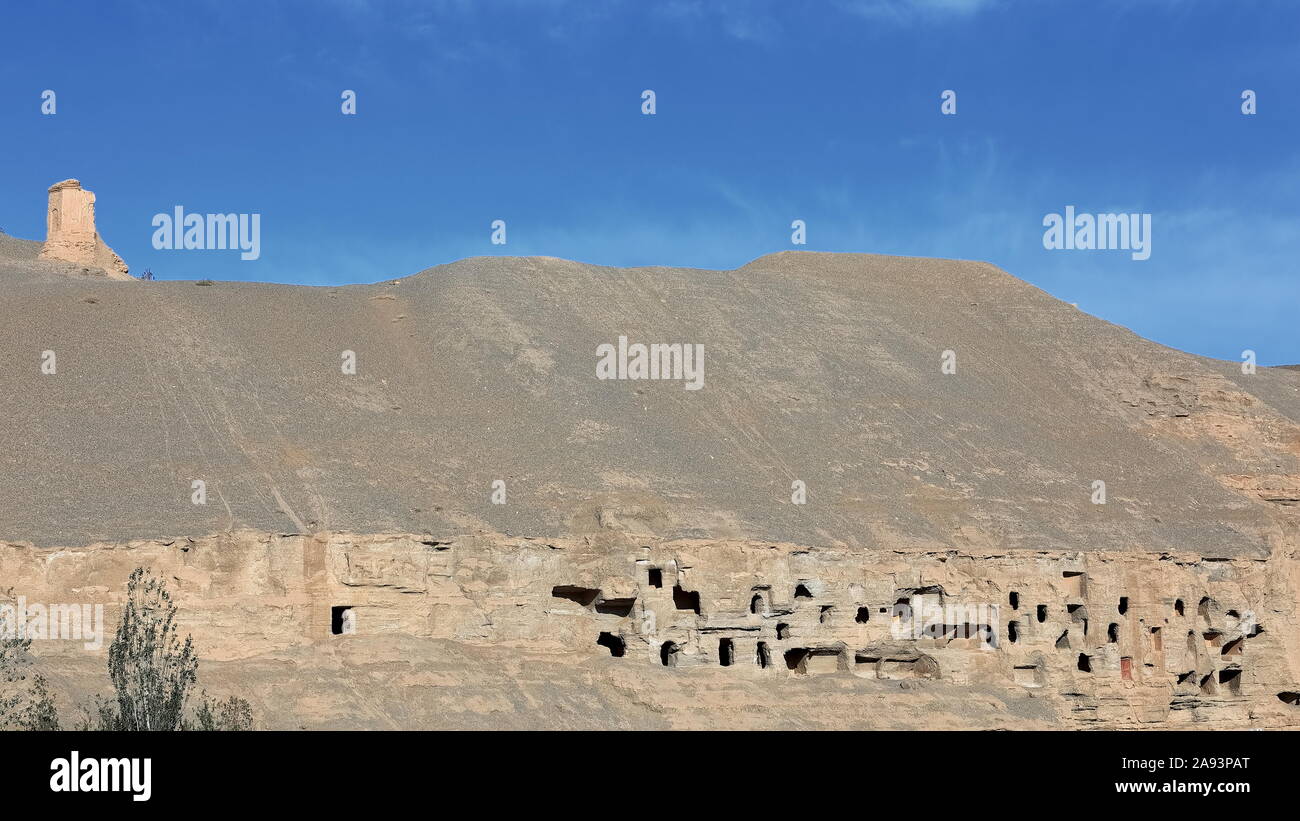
823 368
649 568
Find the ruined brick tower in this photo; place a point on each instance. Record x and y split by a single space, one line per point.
70 231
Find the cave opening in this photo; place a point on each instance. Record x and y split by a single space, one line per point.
686 599
617 647
726 648
343 620
579 595
796 659
615 607
1231 677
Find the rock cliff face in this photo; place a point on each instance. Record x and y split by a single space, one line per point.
1063 639
471 529
71 235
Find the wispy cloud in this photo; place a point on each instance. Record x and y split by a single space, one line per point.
904 12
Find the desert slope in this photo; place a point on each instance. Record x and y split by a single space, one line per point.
818 367
649 569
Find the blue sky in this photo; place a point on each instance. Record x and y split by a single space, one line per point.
767 112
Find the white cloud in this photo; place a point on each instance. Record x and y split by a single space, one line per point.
907 11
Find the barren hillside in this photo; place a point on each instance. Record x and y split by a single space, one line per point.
819 368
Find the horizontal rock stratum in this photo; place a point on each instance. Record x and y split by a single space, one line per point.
649 568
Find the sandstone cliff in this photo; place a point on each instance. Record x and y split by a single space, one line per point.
648 567
71 235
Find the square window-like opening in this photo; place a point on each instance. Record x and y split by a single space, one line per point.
343 620
726 649
1232 679
656 577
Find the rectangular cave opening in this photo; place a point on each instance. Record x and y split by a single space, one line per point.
343 620
796 659
615 607
816 660
918 666
655 577
726 650
868 661
1026 675
1075 583
762 656
686 599
1231 678
581 595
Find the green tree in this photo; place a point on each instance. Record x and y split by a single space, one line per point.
25 703
231 714
154 672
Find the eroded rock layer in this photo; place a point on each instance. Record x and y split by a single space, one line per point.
71 235
902 493
821 637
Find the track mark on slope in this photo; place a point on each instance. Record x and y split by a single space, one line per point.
284 506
